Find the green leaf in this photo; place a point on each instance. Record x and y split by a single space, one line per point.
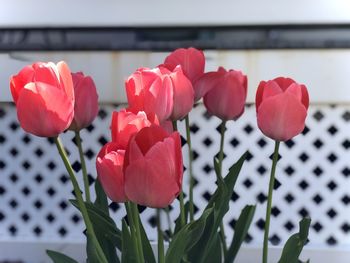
215 250
128 248
103 224
101 203
178 220
101 197
294 245
58 257
146 245
92 254
219 179
241 229
220 203
186 238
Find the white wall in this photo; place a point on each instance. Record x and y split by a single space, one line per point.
19 13
325 72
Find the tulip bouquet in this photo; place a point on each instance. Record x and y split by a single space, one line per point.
143 162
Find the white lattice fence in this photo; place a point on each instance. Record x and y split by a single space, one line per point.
312 177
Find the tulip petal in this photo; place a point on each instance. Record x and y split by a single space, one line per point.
66 79
178 156
227 99
295 90
283 82
44 110
110 174
149 136
281 117
149 181
86 106
17 82
305 96
183 95
191 60
159 98
271 89
135 84
259 94
206 83
46 73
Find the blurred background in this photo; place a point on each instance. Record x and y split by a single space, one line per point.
308 41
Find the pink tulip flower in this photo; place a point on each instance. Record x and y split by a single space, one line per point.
125 124
191 60
44 96
153 167
167 94
86 101
281 106
109 166
225 93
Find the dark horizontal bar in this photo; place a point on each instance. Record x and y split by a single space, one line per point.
169 38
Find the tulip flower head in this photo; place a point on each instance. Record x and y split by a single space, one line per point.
281 106
109 166
167 94
86 101
125 124
191 60
225 93
44 97
153 167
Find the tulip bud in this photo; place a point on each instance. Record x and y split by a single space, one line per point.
153 167
191 60
86 101
281 106
225 93
109 166
44 97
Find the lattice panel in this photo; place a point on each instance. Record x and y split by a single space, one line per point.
312 177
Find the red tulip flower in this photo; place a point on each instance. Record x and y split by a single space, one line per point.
168 94
225 93
125 124
86 101
44 96
191 60
153 167
109 166
281 106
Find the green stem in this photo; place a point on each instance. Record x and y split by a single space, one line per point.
133 231
83 166
161 258
81 204
222 140
181 195
135 213
221 158
167 211
269 201
190 169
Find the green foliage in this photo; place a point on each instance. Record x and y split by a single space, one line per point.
219 205
295 243
128 246
58 257
186 238
241 230
101 198
107 233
